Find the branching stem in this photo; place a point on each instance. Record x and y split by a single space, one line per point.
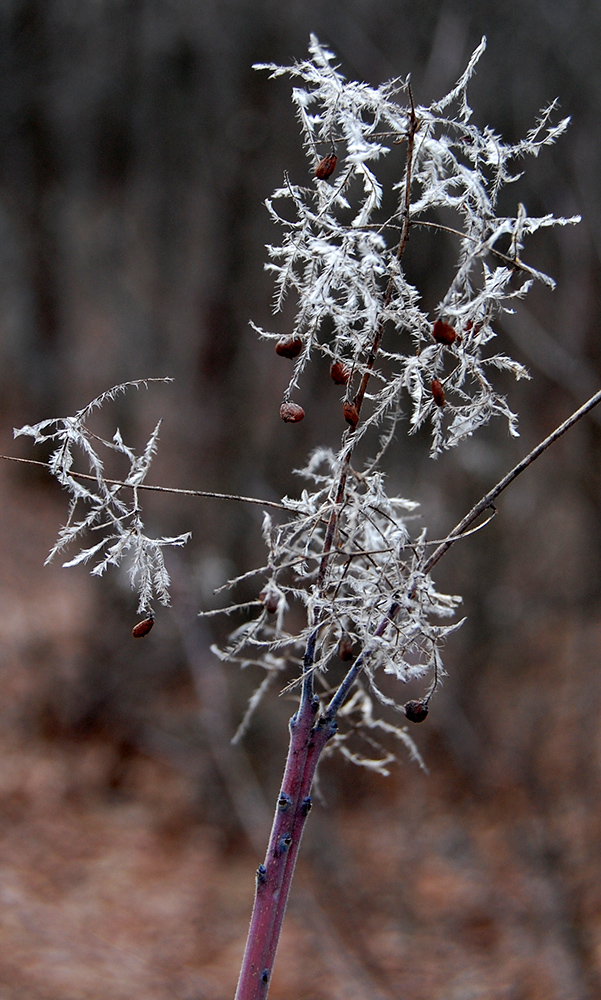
375 347
307 740
308 737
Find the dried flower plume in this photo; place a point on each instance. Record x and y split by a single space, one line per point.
101 508
348 555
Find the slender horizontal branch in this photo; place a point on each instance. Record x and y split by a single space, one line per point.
458 531
158 489
513 262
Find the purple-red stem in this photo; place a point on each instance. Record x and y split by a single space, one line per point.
308 737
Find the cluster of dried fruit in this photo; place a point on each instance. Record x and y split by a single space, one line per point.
290 347
292 413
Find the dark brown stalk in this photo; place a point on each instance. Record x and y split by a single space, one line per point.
413 127
373 353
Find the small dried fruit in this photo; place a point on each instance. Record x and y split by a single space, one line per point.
350 414
339 373
416 711
326 167
291 413
289 347
142 628
443 332
269 599
438 392
345 647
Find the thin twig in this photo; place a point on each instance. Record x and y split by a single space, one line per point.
350 677
360 395
513 262
488 499
375 347
160 489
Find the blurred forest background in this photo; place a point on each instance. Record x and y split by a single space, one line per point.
136 148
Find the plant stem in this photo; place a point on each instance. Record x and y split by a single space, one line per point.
156 489
373 353
308 737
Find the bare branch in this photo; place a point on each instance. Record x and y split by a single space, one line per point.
488 499
161 489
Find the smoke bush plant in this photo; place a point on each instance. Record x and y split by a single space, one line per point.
345 552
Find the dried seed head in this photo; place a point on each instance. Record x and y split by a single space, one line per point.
443 332
326 167
291 413
339 373
142 628
289 347
350 414
345 647
438 392
269 600
416 711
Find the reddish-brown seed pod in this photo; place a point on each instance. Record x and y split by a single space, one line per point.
326 167
142 628
438 392
269 600
416 711
289 347
443 332
345 647
339 373
350 414
291 413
